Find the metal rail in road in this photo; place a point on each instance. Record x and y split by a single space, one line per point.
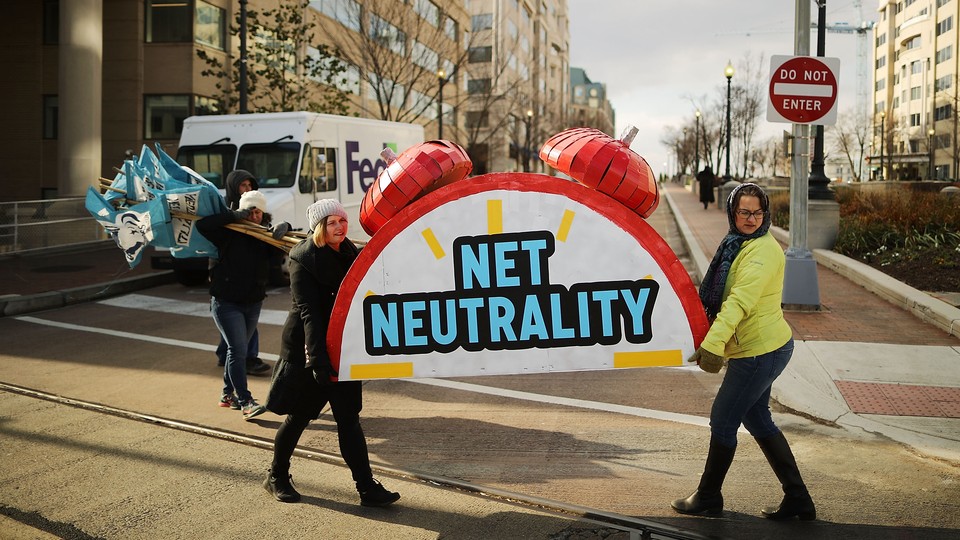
639 529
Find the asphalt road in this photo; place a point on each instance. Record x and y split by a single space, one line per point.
624 442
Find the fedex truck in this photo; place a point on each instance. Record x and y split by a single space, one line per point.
297 158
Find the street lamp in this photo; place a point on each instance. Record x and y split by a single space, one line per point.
883 116
930 133
526 148
442 80
696 151
728 73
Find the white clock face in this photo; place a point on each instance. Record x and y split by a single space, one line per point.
513 273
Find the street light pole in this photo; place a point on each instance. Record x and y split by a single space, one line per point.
526 147
817 188
696 151
930 133
728 72
883 116
442 79
243 56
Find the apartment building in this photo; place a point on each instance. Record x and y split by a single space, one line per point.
517 81
915 90
91 81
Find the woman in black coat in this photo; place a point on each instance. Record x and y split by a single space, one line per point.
706 180
317 267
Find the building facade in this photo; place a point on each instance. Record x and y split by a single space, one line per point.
98 79
517 81
589 104
916 65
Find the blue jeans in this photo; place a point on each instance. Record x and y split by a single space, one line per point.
236 323
253 351
744 396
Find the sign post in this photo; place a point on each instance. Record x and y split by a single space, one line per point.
803 90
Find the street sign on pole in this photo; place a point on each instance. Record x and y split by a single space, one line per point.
803 90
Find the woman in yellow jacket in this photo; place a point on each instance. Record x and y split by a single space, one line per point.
742 294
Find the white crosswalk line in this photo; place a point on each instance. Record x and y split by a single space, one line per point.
178 307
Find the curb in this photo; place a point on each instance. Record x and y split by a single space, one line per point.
19 305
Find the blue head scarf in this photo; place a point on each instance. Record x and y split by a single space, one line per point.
711 289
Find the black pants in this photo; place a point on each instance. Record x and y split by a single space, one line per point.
346 401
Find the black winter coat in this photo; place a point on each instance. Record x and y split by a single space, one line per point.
315 277
241 272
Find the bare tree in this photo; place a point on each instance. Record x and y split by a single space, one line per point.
849 137
287 70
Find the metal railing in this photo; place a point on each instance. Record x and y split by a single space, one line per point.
39 224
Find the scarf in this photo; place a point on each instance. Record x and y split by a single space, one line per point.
711 289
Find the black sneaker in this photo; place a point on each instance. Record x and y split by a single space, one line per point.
256 366
281 488
374 494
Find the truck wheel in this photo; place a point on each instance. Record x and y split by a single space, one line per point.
190 277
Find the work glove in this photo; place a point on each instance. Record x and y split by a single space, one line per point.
709 362
240 214
322 375
280 230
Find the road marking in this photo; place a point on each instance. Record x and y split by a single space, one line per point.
177 307
455 385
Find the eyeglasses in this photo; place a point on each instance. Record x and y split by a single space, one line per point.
748 214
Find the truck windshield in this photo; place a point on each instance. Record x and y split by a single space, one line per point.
212 162
274 164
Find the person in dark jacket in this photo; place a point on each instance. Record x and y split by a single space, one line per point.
317 267
238 285
706 181
237 183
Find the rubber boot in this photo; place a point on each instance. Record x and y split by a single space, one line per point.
796 499
707 499
279 484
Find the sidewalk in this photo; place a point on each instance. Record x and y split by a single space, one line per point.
865 361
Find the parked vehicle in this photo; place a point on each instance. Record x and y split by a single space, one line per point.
297 157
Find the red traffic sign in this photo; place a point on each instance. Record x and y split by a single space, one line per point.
803 90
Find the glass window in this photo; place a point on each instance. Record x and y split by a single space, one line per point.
211 162
50 117
483 21
164 116
480 54
450 27
477 119
275 164
345 12
428 10
210 25
387 35
168 22
478 86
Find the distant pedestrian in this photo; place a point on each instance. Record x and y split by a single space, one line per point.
238 285
706 181
741 293
317 267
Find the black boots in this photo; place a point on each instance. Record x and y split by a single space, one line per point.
278 484
707 500
372 493
796 499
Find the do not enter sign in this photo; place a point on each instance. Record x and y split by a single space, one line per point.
803 90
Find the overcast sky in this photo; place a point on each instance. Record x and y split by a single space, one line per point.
654 56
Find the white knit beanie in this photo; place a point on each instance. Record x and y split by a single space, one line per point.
253 199
323 208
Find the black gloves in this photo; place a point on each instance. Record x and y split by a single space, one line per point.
322 375
707 361
240 214
280 230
